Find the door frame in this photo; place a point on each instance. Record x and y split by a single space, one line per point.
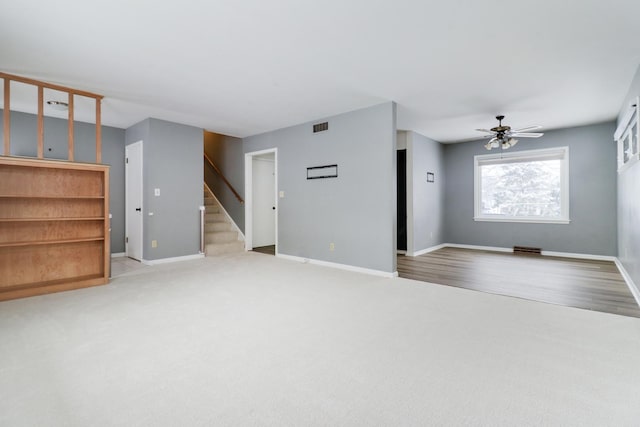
126 200
409 171
248 195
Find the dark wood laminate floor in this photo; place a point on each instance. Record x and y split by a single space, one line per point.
592 285
269 250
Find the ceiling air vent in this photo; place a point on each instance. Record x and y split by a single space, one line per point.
320 127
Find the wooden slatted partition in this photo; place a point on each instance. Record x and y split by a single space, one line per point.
8 78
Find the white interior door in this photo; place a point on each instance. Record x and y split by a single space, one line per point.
133 203
264 201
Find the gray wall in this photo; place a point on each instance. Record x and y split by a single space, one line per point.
226 153
592 168
24 128
357 210
427 204
629 205
172 162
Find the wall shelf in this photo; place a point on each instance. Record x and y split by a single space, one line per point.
49 242
54 227
25 196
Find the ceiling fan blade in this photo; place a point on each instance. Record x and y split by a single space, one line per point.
527 135
485 130
528 128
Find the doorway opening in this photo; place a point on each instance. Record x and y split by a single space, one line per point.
133 201
402 200
261 201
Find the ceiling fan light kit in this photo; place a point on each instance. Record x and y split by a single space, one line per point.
58 105
503 136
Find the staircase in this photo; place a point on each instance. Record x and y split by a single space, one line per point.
220 235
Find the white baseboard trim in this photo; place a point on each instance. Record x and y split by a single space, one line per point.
427 250
477 248
224 211
339 266
544 253
401 252
174 259
579 256
118 254
630 284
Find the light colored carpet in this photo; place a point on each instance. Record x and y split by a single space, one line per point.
250 339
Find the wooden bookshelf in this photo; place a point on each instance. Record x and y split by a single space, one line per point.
54 226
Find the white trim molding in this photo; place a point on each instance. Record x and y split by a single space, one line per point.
579 256
477 248
338 266
633 288
426 250
118 255
501 249
248 195
173 259
511 219
409 189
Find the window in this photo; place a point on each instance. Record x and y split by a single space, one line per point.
627 137
524 186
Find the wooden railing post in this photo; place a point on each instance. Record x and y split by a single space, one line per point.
70 120
98 130
40 122
7 117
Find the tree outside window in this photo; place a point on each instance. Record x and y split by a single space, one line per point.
529 186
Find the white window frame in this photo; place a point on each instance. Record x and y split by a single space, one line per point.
624 133
561 153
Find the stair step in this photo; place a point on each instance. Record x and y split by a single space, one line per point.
221 236
215 217
218 228
224 248
210 227
212 209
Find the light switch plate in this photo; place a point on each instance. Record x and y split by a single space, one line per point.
156 191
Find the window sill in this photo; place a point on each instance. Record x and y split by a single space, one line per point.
523 220
632 161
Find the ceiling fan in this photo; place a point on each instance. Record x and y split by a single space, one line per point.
503 136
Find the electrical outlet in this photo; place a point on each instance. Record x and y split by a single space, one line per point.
332 246
154 243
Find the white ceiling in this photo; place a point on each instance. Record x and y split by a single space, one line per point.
242 67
